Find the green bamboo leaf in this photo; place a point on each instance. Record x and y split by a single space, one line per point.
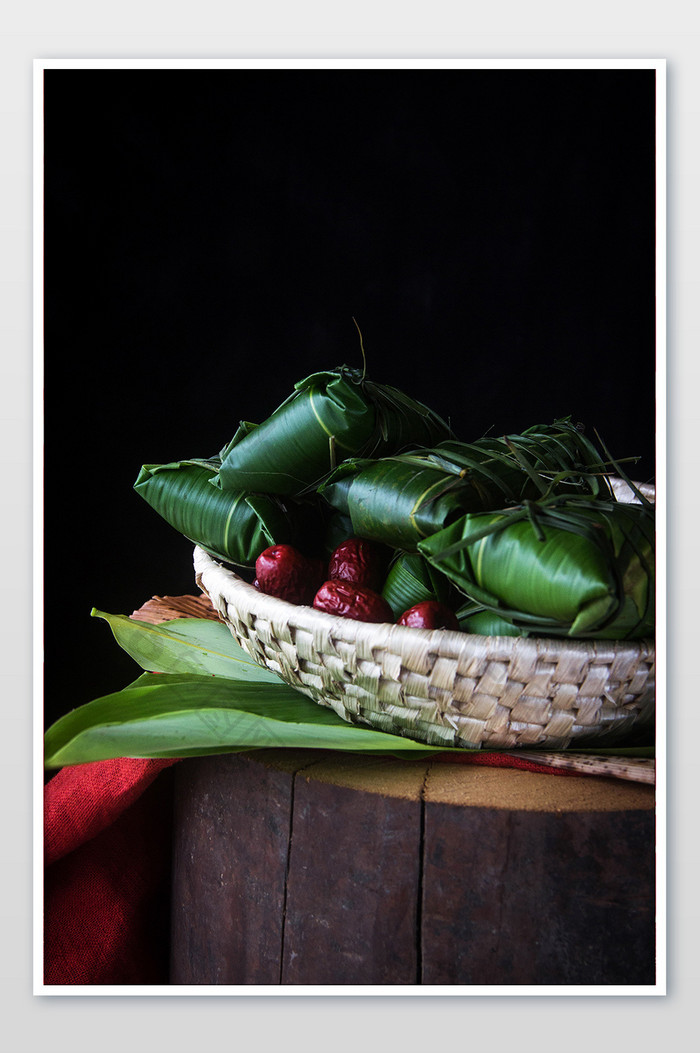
329 416
566 566
411 580
182 715
400 500
338 529
488 623
232 525
185 645
543 458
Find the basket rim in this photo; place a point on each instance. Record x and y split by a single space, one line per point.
245 597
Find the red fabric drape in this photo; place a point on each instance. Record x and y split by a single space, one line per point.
107 835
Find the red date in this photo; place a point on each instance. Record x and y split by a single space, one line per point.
360 561
284 572
350 600
429 615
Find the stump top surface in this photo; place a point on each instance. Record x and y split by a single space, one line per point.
462 785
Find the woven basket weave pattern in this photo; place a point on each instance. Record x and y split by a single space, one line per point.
436 686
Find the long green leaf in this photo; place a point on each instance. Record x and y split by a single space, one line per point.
186 645
183 715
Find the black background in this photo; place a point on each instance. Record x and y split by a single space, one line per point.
209 236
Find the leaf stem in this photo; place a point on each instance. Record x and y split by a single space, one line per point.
362 349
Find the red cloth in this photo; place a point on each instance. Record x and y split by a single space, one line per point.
107 836
107 873
503 760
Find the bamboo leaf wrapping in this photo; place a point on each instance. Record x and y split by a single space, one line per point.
488 623
338 529
231 525
573 567
544 456
403 499
396 500
330 416
411 580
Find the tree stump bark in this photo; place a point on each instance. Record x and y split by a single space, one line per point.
301 867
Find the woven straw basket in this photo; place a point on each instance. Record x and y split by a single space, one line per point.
441 687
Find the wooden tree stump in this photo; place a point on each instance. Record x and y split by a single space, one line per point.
317 868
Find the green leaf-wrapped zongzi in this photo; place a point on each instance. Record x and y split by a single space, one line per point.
488 623
231 525
402 499
396 500
565 566
411 580
330 416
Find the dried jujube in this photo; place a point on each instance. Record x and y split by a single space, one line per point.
347 599
429 615
360 561
284 572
